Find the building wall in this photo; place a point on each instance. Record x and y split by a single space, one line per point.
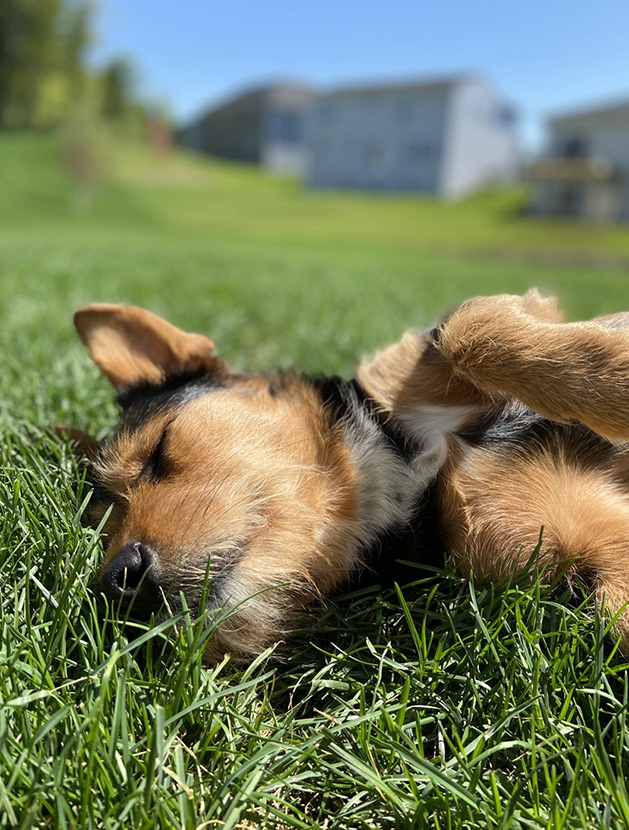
445 139
481 145
283 145
265 126
378 139
600 136
233 131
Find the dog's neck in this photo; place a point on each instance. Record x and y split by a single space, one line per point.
395 481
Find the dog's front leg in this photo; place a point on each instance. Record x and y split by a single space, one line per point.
515 347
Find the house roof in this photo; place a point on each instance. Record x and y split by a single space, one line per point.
408 85
274 92
614 109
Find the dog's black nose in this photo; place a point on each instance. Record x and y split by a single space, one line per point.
130 579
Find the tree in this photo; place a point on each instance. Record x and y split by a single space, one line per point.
42 44
117 89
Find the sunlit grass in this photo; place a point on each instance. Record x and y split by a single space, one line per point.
440 704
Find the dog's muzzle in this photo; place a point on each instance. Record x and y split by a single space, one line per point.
130 580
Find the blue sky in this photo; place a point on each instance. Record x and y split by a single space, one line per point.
542 55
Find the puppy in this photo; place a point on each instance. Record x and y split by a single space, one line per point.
254 495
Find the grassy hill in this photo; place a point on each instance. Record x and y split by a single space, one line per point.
442 704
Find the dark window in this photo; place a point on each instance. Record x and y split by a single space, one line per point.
504 117
285 127
573 147
420 151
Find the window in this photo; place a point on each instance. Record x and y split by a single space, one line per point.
373 152
285 127
573 147
504 117
422 150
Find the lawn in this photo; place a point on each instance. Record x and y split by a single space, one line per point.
438 704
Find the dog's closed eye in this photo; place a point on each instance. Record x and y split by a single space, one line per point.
158 465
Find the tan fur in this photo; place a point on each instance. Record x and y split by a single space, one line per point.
570 371
132 345
582 512
263 487
496 509
414 372
289 492
418 373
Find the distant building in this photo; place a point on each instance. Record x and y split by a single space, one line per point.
586 171
444 137
265 126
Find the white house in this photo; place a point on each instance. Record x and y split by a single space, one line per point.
445 137
585 173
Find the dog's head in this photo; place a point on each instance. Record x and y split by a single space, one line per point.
268 486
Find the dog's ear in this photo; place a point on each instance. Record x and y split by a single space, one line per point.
134 346
83 444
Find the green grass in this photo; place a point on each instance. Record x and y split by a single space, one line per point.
441 704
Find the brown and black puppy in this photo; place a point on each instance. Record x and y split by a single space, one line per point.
468 438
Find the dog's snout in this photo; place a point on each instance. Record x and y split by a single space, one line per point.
130 578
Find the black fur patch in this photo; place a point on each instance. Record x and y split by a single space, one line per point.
143 402
517 429
419 542
343 400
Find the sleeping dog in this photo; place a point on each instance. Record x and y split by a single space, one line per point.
277 488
